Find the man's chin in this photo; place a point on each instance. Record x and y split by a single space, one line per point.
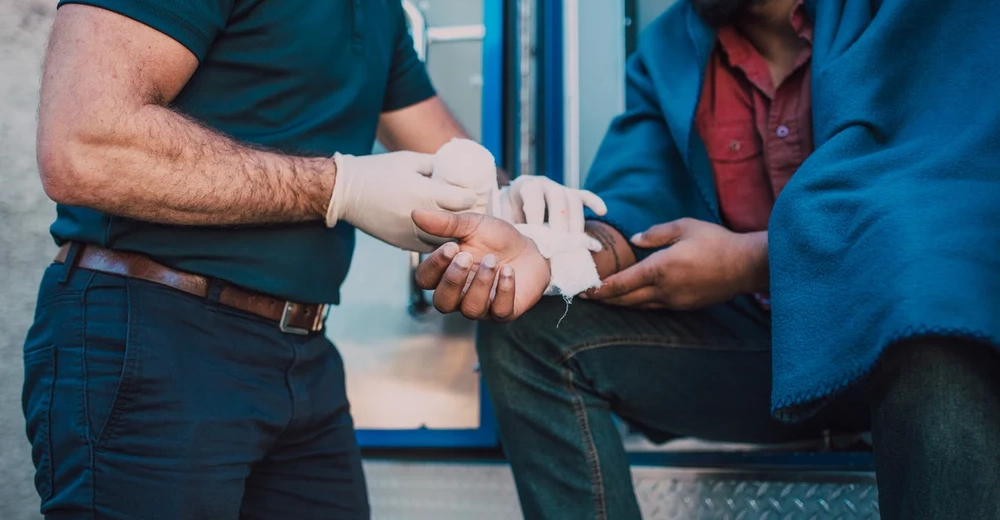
719 13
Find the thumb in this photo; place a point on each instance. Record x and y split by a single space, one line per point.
453 198
446 225
532 196
421 163
594 202
659 235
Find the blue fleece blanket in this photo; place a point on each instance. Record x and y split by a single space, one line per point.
891 229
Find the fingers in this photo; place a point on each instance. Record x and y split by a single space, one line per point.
503 301
557 205
625 281
476 299
574 205
476 302
448 292
444 224
430 271
593 201
532 196
583 240
513 206
501 206
453 198
643 297
660 235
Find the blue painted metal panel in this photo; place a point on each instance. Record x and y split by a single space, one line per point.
550 65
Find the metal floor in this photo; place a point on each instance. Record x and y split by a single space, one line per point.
485 491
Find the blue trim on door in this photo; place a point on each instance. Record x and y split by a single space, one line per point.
492 93
485 436
550 66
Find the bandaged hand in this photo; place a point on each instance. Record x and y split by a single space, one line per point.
509 273
377 194
530 197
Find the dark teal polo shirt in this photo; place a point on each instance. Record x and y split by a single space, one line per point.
306 77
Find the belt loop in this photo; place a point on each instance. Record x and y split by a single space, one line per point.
215 287
70 263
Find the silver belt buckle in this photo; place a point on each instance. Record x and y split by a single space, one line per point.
317 324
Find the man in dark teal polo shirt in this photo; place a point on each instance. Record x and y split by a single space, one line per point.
211 161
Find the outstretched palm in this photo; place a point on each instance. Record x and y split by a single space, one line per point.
480 236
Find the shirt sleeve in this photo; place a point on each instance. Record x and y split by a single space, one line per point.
638 170
408 82
193 23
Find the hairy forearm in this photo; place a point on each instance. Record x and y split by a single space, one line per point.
615 254
157 165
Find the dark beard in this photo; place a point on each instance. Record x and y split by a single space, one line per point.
719 13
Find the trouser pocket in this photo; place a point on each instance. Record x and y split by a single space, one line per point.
109 358
58 313
39 382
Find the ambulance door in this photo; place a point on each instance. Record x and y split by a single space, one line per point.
411 372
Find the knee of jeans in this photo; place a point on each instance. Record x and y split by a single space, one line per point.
535 342
937 388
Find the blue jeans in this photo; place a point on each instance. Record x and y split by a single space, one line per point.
707 374
145 402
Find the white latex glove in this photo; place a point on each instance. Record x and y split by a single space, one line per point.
526 200
377 194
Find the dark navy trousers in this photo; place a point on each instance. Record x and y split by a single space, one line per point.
143 402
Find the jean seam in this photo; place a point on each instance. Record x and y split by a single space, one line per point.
126 382
646 341
593 461
54 354
85 398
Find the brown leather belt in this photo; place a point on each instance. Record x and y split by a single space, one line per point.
291 317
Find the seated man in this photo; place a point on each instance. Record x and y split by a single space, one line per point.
678 339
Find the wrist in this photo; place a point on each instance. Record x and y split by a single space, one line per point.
755 272
325 202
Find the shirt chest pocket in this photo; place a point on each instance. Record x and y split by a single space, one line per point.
735 143
741 180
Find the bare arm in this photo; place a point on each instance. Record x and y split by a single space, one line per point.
423 127
616 253
107 139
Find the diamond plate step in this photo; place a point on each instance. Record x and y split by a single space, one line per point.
463 491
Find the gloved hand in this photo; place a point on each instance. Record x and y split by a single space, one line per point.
526 200
377 194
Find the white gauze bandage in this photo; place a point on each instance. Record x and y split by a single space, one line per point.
466 163
572 267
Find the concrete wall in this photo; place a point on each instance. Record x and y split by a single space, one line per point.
25 247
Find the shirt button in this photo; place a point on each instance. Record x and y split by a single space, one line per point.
734 146
782 131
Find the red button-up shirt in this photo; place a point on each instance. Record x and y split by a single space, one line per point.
757 133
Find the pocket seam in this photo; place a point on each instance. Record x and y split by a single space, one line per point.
43 469
48 425
123 389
